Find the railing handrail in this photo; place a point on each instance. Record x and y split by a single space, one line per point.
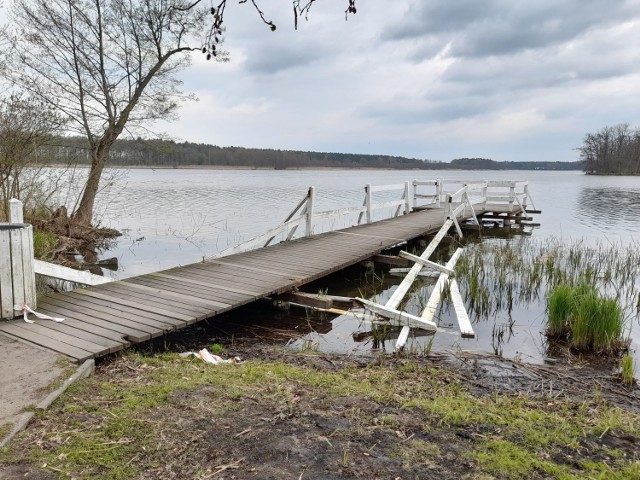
306 212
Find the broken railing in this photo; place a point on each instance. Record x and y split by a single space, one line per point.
389 313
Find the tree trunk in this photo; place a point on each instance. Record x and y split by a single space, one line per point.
84 213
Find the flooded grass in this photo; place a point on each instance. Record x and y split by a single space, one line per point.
591 291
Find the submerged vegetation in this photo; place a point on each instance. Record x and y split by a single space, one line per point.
497 276
589 292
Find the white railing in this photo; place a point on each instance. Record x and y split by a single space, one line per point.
315 222
504 195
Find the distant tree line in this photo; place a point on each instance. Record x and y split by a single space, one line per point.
613 150
167 153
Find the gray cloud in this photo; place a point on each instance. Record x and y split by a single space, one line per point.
502 27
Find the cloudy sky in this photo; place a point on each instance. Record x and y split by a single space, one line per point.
432 79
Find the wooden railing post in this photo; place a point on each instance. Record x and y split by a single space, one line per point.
438 192
407 198
369 202
415 193
512 194
312 194
484 194
16 214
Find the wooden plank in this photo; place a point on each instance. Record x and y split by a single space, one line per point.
390 260
30 293
458 305
161 298
425 263
44 340
134 329
121 299
197 280
307 299
153 320
68 274
6 287
15 239
254 274
104 329
397 317
83 337
403 288
204 293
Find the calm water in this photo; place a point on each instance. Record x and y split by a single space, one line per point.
175 217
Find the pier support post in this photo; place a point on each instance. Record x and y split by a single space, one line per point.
407 198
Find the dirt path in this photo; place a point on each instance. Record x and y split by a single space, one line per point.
27 372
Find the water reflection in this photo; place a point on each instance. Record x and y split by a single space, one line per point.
608 208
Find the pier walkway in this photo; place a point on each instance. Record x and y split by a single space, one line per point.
106 318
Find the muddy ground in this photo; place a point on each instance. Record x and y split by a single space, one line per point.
307 415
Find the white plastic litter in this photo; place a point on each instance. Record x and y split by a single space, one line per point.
207 357
26 310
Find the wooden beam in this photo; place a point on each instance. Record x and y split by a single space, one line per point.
466 330
68 274
397 317
391 260
425 263
307 299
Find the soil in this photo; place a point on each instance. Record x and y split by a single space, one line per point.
26 370
309 438
77 245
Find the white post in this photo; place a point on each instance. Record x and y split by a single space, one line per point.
312 194
407 198
526 196
415 192
512 194
15 211
484 195
438 192
368 201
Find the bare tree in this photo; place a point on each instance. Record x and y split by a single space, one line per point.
110 65
26 125
612 150
106 65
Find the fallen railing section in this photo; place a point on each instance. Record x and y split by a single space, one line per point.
389 311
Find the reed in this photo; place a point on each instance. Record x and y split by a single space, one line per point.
628 371
560 305
590 321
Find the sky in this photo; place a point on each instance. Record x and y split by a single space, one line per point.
510 80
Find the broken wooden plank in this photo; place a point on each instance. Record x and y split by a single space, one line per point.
391 260
68 274
307 299
426 263
466 330
397 317
433 302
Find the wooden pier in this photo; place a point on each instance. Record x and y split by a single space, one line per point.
109 317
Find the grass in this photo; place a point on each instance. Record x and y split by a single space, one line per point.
157 413
628 371
44 244
590 321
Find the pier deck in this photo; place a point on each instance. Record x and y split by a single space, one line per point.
106 318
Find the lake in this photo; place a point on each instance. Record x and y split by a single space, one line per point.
174 217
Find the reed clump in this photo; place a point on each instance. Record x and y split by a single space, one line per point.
588 320
628 371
